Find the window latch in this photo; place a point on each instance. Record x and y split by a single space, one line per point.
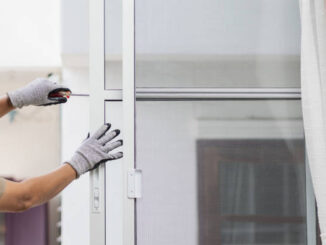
134 183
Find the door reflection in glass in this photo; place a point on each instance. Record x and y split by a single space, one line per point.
249 191
221 172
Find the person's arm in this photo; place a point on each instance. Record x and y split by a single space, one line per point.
32 192
5 105
21 196
40 92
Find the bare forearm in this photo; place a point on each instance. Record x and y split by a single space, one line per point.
32 192
5 105
35 191
42 189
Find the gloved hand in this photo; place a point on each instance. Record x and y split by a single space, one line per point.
38 93
96 150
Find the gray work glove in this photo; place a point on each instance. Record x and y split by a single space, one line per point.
38 93
96 150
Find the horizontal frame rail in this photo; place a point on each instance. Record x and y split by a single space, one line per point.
214 93
207 93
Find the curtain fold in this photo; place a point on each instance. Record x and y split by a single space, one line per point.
313 85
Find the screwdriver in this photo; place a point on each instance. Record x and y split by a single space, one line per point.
58 93
61 94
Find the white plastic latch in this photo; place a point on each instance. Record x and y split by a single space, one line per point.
96 200
134 183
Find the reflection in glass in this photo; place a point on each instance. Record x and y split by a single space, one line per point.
221 172
113 44
224 43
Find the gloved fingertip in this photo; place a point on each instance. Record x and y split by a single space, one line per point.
117 131
108 125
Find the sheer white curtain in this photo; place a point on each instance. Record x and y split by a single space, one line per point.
313 79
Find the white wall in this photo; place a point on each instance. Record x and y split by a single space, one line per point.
75 117
30 33
30 144
30 48
75 198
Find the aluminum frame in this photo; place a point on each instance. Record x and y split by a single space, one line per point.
206 93
99 96
97 79
114 180
128 86
217 93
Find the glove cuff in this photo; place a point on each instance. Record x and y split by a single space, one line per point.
79 163
16 99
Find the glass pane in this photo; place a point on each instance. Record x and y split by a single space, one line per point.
75 46
221 172
113 44
217 43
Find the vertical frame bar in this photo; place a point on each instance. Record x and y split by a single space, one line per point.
114 181
97 80
311 208
128 80
98 95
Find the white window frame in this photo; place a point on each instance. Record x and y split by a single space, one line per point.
98 98
125 234
96 78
